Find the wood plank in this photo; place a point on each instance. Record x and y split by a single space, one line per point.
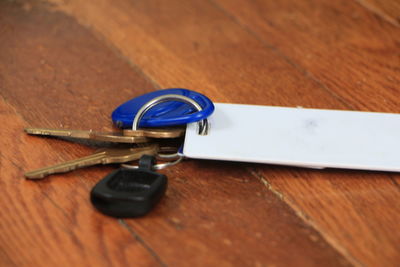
349 64
55 73
350 50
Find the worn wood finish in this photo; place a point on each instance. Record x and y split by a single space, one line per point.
54 73
225 213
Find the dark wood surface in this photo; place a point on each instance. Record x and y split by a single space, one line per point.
68 64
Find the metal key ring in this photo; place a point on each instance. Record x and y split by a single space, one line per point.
203 124
158 166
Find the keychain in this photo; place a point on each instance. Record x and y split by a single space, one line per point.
133 191
311 138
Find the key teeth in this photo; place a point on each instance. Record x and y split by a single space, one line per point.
37 131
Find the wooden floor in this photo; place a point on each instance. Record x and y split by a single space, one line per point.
70 63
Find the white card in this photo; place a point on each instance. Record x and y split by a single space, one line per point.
312 138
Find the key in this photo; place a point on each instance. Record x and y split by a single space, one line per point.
127 136
173 132
87 134
127 193
103 156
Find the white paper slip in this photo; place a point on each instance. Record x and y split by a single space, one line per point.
298 137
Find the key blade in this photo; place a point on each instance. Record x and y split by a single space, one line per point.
129 154
105 156
59 132
117 138
156 133
67 166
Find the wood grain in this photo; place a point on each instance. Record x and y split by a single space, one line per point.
54 73
329 54
350 50
209 43
389 10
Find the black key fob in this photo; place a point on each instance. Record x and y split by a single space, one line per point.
128 193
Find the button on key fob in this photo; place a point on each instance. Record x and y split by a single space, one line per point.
128 193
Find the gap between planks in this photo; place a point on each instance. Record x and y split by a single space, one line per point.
377 12
305 218
142 242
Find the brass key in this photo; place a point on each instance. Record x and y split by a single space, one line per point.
89 134
127 136
103 156
173 132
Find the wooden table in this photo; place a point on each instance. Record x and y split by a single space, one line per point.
67 64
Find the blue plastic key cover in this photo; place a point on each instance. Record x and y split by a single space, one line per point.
164 114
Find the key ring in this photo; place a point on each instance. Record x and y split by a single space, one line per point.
158 166
203 126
